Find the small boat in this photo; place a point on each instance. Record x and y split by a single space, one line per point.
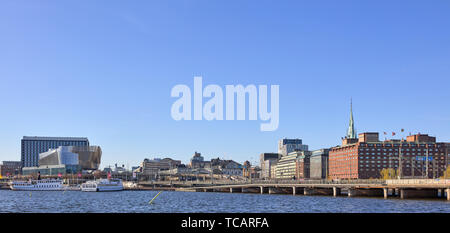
37 185
102 185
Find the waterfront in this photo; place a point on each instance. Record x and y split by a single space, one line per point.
193 202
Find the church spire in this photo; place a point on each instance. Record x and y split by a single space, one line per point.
351 132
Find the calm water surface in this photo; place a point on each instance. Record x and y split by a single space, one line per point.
190 202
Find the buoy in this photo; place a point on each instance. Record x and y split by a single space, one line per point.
150 202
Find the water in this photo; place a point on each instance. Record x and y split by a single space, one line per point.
191 202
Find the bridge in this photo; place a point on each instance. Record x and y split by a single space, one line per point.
414 188
402 188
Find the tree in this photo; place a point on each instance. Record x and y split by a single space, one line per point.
388 173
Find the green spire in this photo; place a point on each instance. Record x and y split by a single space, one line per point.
351 132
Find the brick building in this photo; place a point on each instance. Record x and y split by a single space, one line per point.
365 157
303 165
10 168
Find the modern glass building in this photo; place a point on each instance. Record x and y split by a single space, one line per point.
31 147
66 160
286 146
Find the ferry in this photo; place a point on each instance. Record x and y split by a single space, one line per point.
102 185
37 185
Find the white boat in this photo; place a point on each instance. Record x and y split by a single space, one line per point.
102 185
37 185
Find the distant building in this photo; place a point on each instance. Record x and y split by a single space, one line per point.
286 146
273 171
246 169
419 156
266 160
254 173
31 147
119 169
410 158
66 160
197 161
286 166
227 167
269 169
302 169
153 167
107 170
319 164
10 168
178 171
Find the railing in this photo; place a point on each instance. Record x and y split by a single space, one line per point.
419 182
243 182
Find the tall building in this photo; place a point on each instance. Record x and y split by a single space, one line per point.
31 147
266 160
286 146
319 164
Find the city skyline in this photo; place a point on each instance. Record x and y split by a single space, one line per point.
105 73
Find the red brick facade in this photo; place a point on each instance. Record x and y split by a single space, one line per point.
365 160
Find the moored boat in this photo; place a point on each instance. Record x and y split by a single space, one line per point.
37 185
102 185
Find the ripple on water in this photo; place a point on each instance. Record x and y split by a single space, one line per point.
190 202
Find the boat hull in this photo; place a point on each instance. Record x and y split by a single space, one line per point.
35 189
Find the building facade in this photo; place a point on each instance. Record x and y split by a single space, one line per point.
31 147
319 164
302 169
286 146
227 167
286 166
154 167
197 162
419 156
67 160
10 168
266 161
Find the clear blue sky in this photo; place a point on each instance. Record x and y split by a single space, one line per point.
104 70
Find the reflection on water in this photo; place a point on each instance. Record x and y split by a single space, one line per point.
176 202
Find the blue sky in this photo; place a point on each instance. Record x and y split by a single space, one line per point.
104 70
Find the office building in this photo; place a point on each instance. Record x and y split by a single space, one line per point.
419 156
319 164
31 147
266 161
302 169
365 157
286 146
286 166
